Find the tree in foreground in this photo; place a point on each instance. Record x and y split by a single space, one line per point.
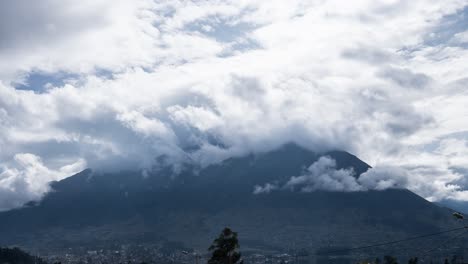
16 255
413 260
225 248
390 260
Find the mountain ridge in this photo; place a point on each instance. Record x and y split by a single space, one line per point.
125 207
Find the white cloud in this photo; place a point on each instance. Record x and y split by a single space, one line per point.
75 37
267 188
323 175
433 183
152 78
29 180
382 178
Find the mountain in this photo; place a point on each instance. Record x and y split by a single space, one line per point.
460 206
188 210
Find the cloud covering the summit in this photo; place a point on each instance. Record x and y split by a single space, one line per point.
121 84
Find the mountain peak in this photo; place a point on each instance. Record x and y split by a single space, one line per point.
199 203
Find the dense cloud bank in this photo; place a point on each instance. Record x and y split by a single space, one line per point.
138 84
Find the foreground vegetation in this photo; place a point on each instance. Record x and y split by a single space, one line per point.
17 256
225 249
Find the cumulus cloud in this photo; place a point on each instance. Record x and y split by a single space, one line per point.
203 81
382 178
29 180
323 175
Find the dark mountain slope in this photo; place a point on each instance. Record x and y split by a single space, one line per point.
456 205
125 207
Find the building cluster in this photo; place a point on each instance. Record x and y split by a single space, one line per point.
123 255
150 254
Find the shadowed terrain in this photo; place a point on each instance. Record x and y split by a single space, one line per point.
190 208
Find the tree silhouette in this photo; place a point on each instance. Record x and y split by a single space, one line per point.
225 248
16 255
390 260
413 260
454 259
377 261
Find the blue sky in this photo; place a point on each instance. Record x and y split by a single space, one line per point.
39 82
114 85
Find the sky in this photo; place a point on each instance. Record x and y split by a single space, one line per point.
113 85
